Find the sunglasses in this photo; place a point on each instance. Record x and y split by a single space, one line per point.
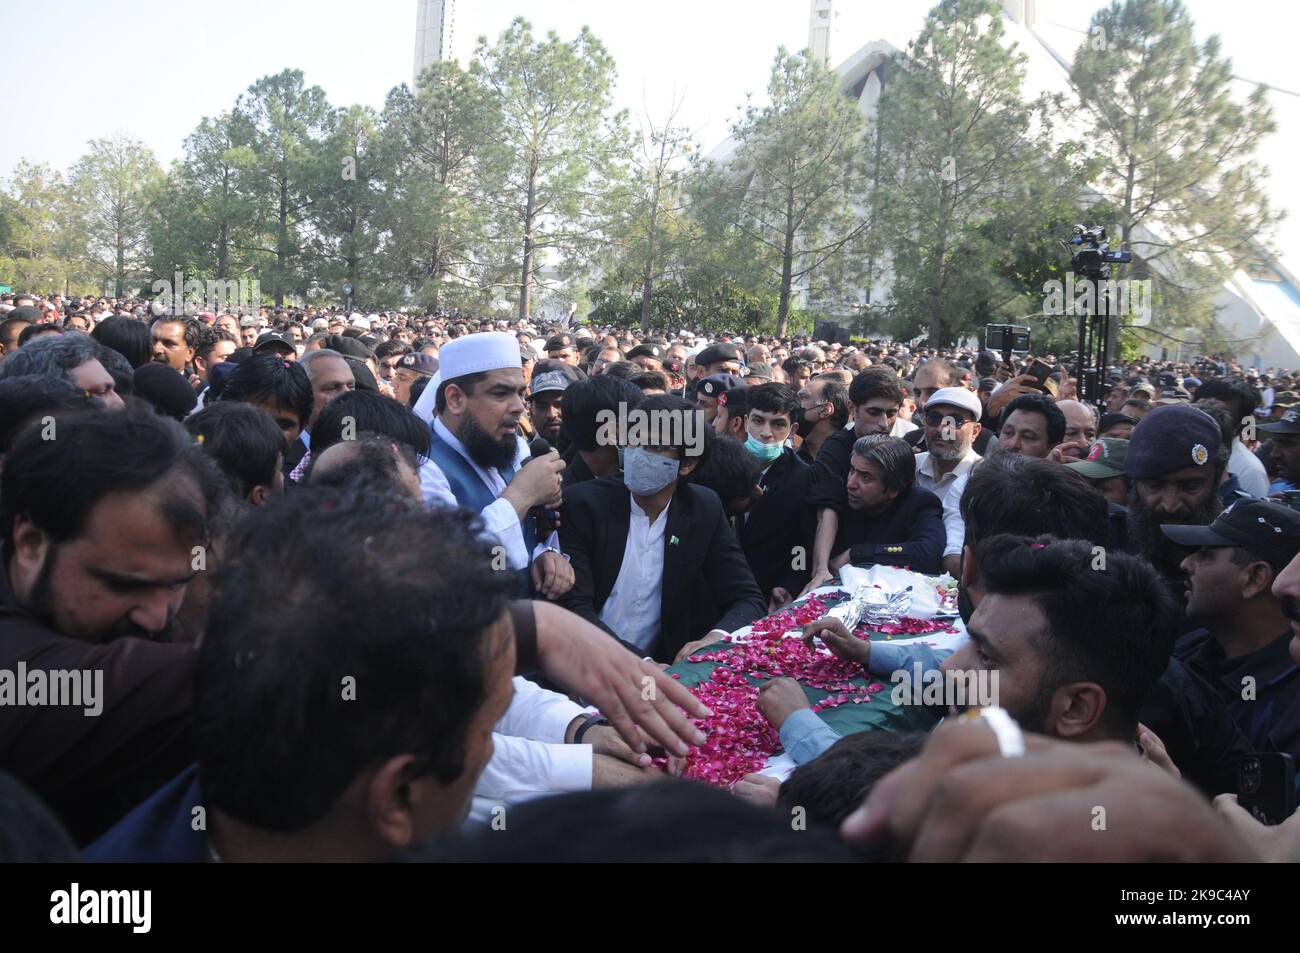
935 419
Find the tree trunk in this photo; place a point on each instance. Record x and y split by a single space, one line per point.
282 245
937 329
787 266
119 283
526 278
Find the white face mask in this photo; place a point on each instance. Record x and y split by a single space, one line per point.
646 473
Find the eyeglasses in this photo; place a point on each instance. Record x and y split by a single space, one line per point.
935 419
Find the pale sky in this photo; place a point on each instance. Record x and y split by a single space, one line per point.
80 69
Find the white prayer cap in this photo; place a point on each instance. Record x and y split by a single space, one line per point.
475 353
956 397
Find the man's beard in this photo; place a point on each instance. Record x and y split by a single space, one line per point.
487 452
948 453
1144 531
42 609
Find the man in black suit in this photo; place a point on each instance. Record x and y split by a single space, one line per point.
888 518
647 547
773 526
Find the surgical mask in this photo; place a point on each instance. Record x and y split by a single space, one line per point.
646 473
767 452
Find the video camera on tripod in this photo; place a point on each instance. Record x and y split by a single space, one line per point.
1091 259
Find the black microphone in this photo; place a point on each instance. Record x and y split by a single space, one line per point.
539 447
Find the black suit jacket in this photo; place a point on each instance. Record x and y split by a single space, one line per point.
910 533
704 563
775 522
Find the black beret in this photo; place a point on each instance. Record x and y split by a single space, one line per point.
716 353
1172 438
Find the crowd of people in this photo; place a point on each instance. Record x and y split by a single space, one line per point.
337 586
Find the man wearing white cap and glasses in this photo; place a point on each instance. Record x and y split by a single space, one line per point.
951 420
478 396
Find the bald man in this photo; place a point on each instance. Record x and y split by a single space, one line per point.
1080 431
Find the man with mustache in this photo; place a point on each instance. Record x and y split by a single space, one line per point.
102 528
1176 461
1243 649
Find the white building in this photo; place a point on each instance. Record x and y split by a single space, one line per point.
433 33
1258 306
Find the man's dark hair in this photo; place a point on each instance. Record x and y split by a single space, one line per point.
389 348
191 328
670 821
837 395
55 356
269 378
9 323
333 585
1114 625
371 465
833 785
57 483
245 443
1221 413
651 380
729 470
774 399
679 408
35 330
584 400
1012 493
373 413
211 338
623 369
737 403
876 382
1229 389
894 458
28 397
1040 404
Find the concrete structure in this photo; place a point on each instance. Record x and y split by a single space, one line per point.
819 30
433 32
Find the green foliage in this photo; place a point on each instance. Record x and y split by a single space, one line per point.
791 195
1175 150
963 168
562 149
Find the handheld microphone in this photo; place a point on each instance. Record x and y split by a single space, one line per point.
539 447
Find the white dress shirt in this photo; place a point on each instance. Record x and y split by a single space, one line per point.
499 516
902 427
633 608
529 756
953 525
939 486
